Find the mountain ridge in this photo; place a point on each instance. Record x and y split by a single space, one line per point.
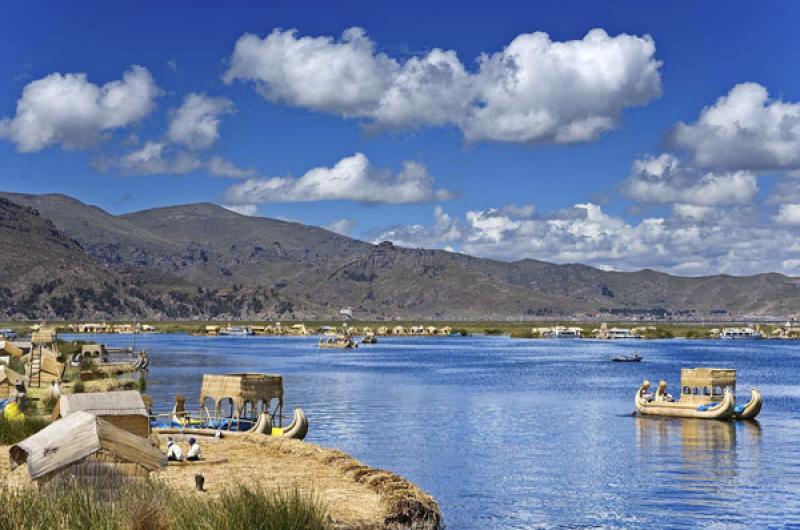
257 267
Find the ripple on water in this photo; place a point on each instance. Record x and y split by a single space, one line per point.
530 433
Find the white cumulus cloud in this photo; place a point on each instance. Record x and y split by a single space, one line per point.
220 167
69 110
665 179
352 178
152 158
341 226
788 214
534 90
195 124
744 129
696 240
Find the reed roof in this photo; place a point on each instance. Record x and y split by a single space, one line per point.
9 375
8 347
43 336
700 377
242 387
121 403
77 436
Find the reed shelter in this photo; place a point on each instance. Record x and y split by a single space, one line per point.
706 385
249 394
88 451
8 381
124 409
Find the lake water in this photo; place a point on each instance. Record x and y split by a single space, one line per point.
510 433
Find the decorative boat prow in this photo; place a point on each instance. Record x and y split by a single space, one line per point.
750 410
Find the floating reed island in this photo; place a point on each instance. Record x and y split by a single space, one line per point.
62 446
566 329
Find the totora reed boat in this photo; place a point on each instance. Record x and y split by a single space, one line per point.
254 403
706 393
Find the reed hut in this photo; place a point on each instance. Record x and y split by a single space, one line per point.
446 330
8 381
398 330
10 349
124 409
88 451
43 368
383 330
93 350
255 390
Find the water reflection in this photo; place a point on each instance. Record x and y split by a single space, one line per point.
495 429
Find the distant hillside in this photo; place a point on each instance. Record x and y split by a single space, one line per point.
203 261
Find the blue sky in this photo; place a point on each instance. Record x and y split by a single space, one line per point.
416 140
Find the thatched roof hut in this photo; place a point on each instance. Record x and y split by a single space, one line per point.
86 450
8 380
45 369
9 348
93 350
125 409
45 337
242 389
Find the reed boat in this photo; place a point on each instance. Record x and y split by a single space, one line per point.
708 393
660 405
255 405
340 342
369 339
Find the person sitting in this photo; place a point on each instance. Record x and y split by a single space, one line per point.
195 452
174 452
55 389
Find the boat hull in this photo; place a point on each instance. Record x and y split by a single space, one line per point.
297 429
721 411
752 407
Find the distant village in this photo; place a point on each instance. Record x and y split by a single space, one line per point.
787 330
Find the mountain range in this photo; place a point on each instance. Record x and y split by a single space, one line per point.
63 259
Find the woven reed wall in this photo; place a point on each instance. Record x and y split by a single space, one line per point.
134 424
102 471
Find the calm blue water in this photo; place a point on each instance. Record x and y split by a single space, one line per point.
530 433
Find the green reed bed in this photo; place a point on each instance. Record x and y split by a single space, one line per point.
14 431
152 506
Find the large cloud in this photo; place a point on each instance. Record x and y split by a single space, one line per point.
69 110
744 129
534 90
352 178
723 241
195 123
665 179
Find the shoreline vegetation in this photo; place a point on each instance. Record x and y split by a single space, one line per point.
251 481
154 506
515 329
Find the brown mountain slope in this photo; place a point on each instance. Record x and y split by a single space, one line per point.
201 260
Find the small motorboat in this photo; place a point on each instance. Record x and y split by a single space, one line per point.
635 358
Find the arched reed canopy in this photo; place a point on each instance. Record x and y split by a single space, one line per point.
254 390
706 385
